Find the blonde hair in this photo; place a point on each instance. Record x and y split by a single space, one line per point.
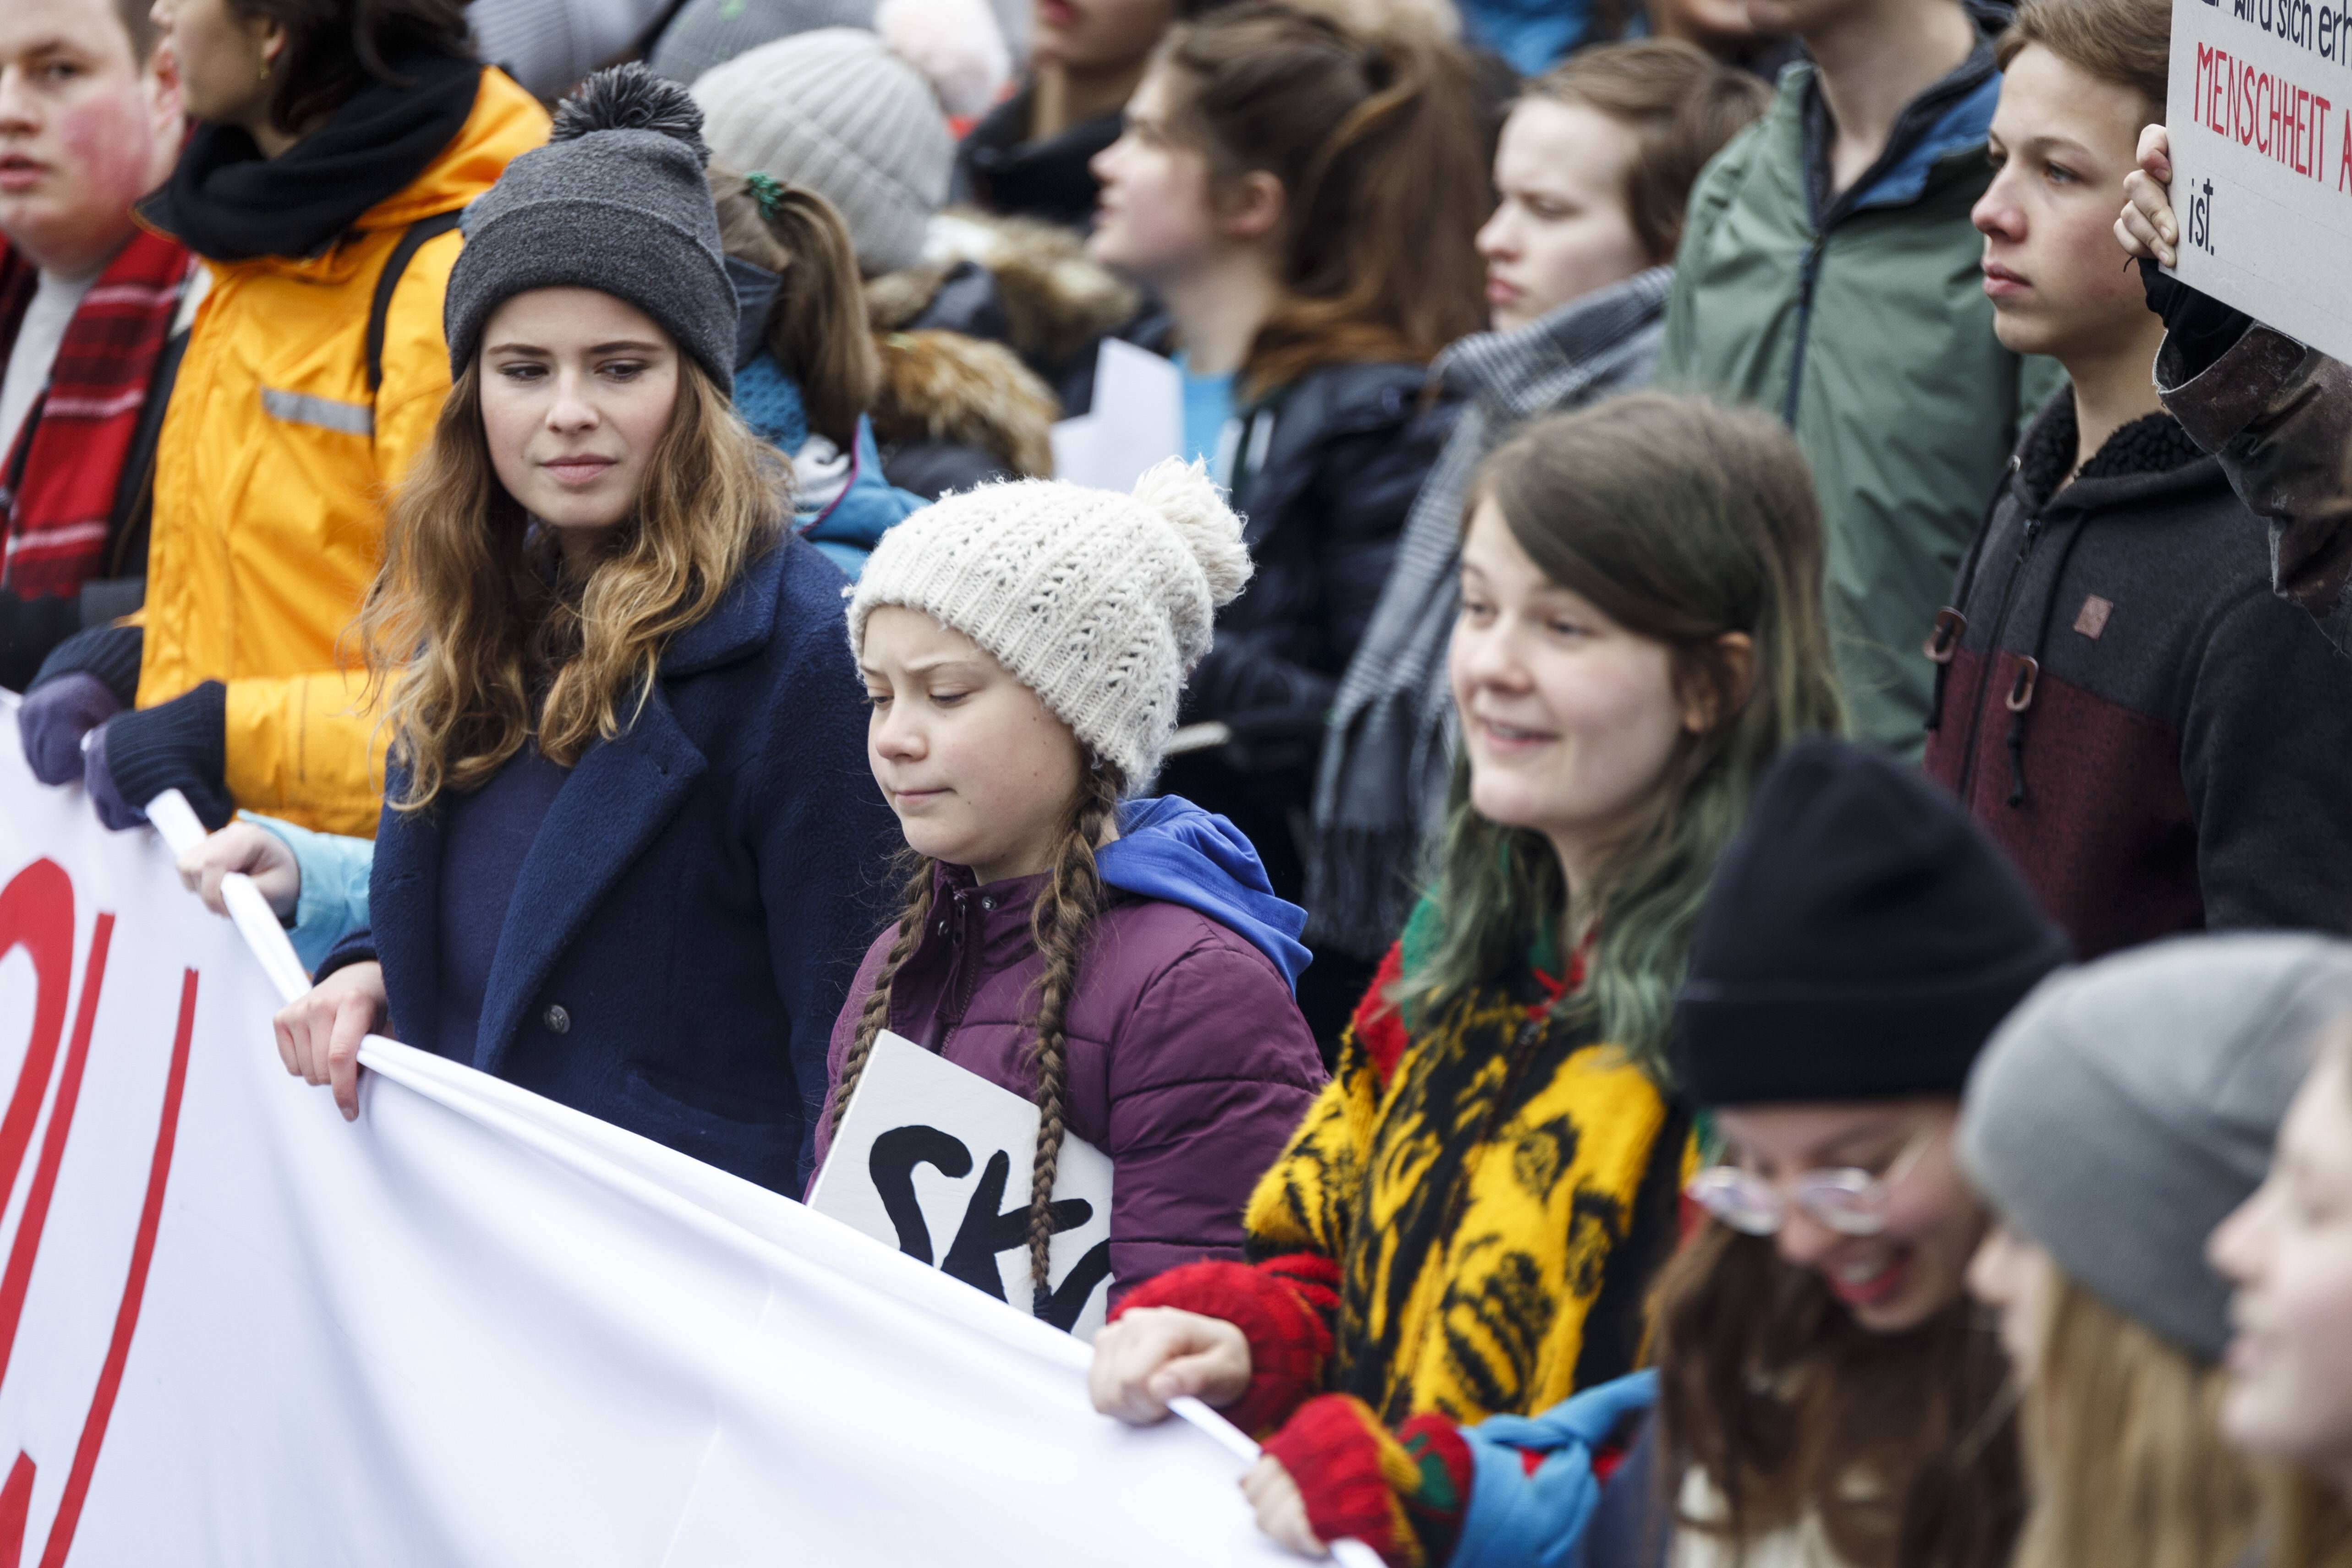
2124 1460
474 643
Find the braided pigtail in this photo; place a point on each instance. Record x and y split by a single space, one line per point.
1064 913
877 1010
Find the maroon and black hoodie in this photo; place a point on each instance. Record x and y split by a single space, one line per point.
2162 743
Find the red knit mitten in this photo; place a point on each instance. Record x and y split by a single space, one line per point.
1402 1494
1290 1341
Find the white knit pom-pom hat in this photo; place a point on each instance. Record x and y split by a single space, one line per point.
1100 604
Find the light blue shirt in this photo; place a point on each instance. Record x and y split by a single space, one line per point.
1208 409
334 901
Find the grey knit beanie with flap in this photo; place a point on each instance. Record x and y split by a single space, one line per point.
615 201
1100 604
2129 1106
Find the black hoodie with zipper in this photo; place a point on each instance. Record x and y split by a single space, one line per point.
2156 738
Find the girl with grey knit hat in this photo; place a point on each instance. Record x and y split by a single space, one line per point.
2120 1115
1122 961
624 844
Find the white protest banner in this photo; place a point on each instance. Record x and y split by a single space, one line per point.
2259 115
929 1152
473 1327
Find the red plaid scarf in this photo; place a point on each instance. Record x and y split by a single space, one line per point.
58 497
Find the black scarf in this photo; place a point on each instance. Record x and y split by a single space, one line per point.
227 203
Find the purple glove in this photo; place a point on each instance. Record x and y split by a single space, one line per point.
53 719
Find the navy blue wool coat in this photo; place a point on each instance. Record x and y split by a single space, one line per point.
688 920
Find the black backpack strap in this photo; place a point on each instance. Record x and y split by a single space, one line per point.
420 233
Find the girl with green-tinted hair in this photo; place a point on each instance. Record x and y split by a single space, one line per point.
1468 1219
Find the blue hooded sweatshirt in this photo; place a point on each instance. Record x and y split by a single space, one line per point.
1169 848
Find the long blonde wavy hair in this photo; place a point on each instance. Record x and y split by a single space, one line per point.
475 643
2125 1459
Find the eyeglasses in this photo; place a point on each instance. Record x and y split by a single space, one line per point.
1846 1198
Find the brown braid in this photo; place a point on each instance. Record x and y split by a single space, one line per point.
877 1010
1058 924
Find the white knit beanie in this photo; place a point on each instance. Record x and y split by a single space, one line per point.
1100 604
860 116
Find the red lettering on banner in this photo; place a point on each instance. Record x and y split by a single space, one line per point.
53 1145
134 1288
36 914
15 1502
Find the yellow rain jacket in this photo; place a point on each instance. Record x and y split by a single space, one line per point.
272 473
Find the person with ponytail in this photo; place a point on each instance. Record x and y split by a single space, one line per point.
1468 1221
2122 1113
1120 961
1304 199
805 371
624 855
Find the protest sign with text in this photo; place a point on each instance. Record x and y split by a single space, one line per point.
2260 114
935 1161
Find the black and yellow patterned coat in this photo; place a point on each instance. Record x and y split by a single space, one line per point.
1466 1222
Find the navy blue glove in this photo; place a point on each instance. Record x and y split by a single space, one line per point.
179 745
52 721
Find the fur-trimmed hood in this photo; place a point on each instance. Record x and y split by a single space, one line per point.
1024 284
942 388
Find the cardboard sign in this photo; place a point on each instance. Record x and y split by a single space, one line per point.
1138 420
2260 114
935 1161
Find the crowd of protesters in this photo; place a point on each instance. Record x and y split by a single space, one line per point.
1686 857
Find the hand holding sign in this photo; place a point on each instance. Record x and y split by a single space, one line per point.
2149 226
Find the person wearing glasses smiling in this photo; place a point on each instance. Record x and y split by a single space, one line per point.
1825 1395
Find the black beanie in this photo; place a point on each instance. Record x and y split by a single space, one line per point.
1862 939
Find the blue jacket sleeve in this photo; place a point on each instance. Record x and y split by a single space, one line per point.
333 902
1537 1519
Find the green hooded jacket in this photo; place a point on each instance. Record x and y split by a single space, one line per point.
1860 319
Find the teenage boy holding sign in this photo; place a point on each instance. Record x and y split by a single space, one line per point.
2120 700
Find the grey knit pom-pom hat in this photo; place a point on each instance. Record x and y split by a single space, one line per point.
1100 604
2126 1107
615 201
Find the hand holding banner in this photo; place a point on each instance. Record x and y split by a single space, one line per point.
475 1327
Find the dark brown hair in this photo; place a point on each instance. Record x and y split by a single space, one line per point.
1060 922
335 47
2126 42
1378 147
1680 520
1903 1445
815 326
1681 105
139 26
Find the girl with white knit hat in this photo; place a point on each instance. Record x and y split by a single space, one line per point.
1123 961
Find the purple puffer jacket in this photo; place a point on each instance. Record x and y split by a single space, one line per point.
1188 1064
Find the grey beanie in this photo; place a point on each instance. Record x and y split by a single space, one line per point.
614 201
2126 1107
705 33
840 113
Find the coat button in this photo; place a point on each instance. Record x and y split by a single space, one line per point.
988 904
557 1020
